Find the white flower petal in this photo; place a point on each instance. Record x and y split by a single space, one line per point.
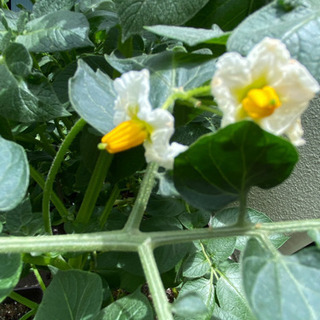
133 92
268 64
160 151
295 133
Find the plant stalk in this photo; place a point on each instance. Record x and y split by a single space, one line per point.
47 190
152 274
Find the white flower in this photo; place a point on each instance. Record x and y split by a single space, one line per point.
267 87
136 122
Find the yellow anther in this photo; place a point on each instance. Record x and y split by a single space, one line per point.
126 135
260 103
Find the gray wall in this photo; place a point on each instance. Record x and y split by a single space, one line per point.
299 196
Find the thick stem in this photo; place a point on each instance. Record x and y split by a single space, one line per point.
242 210
94 187
128 241
53 172
140 204
152 274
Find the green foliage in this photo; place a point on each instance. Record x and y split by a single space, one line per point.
56 31
132 307
10 269
191 36
14 174
219 167
121 237
72 294
134 15
286 279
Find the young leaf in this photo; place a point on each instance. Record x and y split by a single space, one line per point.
135 14
92 96
220 166
191 36
282 287
10 269
231 297
14 174
297 28
132 307
72 295
56 31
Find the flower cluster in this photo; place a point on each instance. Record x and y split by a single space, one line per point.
267 87
137 123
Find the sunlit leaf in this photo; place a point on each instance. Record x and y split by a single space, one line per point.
282 287
14 174
135 14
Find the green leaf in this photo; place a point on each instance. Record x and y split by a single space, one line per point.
95 5
189 304
282 287
195 219
169 70
135 14
165 206
10 269
18 59
203 287
22 221
43 7
14 174
229 217
218 167
191 36
297 28
231 297
25 102
92 96
132 307
71 295
196 265
56 31
226 14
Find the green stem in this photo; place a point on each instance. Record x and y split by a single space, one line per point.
109 205
242 210
19 298
29 314
128 241
152 274
39 278
186 95
140 204
36 176
54 170
98 176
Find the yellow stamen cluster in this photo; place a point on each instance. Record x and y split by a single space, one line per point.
260 103
126 135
